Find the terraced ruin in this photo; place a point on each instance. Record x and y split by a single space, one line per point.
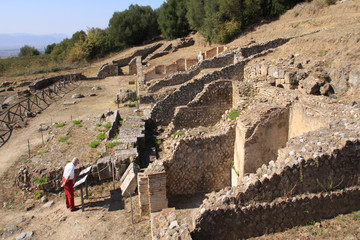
268 143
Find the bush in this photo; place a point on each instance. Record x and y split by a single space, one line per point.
60 124
62 139
76 121
107 126
233 114
94 144
101 136
179 133
41 181
28 51
38 194
113 144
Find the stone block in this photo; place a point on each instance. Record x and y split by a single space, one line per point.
129 180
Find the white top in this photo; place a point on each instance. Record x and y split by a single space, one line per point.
69 171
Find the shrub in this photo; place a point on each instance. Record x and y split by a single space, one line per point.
101 136
76 121
233 114
41 181
322 52
113 144
60 124
179 133
62 139
158 142
94 144
79 125
107 126
38 194
28 51
98 124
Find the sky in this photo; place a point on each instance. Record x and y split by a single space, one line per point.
61 16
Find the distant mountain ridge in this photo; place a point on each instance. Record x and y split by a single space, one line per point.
10 44
18 40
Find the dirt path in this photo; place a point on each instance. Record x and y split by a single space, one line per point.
84 108
103 218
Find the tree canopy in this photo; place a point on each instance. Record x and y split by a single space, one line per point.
133 26
28 51
172 19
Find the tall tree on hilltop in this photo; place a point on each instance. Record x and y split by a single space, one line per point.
133 26
172 19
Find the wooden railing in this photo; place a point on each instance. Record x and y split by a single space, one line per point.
37 102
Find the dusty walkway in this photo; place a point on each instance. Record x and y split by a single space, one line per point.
84 108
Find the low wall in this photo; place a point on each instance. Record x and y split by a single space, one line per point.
263 218
248 51
43 83
207 107
328 162
163 111
182 77
111 68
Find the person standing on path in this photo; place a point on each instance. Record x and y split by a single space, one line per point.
68 183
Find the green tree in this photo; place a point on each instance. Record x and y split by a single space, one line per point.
28 51
195 13
133 26
50 48
172 19
97 43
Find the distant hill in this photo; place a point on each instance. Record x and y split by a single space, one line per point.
11 43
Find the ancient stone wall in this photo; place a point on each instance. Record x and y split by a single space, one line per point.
163 111
112 68
317 162
157 191
207 107
200 163
164 225
258 143
133 66
182 77
248 51
43 83
143 189
240 222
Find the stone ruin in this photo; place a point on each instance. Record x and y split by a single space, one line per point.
268 140
290 155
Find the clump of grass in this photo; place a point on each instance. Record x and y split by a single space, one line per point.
107 126
322 52
98 124
60 124
38 194
101 136
121 122
233 114
62 139
94 144
102 130
45 151
68 143
179 133
41 181
79 125
76 122
158 142
113 144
